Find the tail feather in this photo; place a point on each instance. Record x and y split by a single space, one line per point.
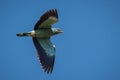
22 34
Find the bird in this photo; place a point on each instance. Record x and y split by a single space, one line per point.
41 35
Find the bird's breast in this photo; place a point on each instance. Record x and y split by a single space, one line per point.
43 33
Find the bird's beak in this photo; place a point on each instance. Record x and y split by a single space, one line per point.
60 31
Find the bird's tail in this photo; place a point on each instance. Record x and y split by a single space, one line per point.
23 34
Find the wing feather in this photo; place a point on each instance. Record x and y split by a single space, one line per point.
45 55
47 19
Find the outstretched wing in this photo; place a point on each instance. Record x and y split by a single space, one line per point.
46 53
47 19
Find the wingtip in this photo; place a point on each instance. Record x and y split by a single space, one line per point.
47 69
52 12
46 66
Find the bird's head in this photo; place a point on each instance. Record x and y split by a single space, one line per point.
56 31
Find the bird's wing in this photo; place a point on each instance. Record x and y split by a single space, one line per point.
47 19
46 53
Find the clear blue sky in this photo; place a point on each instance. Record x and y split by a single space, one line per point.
89 48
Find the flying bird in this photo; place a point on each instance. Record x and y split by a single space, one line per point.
41 38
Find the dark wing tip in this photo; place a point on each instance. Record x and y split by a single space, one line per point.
47 62
52 12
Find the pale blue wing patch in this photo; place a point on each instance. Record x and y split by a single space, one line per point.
49 22
47 46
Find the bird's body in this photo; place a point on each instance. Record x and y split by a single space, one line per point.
41 37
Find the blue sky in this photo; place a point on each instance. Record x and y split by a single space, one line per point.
89 48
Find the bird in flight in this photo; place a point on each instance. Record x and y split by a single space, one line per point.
41 38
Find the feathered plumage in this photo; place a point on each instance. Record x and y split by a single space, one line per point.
41 38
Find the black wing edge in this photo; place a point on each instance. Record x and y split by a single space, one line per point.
45 16
47 62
